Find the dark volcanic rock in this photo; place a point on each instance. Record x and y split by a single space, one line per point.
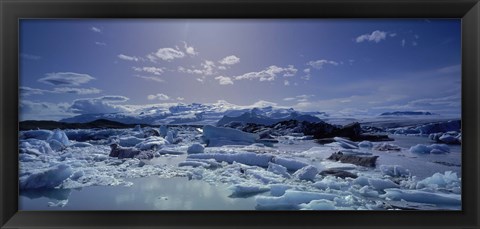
338 173
365 161
123 152
145 155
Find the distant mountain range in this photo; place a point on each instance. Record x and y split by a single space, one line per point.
198 114
51 125
403 113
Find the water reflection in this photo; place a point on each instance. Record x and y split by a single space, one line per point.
151 193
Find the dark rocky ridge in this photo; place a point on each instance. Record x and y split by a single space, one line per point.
322 131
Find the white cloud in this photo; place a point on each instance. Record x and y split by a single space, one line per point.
299 98
169 54
27 91
151 78
229 60
30 110
180 98
104 104
392 34
318 64
376 36
96 29
30 56
306 70
152 70
189 49
450 69
263 103
207 68
78 91
414 43
100 43
159 96
268 74
65 79
403 42
223 80
129 58
286 83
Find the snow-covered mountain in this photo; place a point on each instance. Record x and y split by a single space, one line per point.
406 113
197 113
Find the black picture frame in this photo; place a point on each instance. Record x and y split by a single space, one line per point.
12 10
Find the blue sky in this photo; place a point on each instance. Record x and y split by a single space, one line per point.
349 67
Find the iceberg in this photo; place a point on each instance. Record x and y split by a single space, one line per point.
394 170
433 149
219 136
290 164
195 148
278 169
291 199
346 144
241 190
59 136
423 197
49 178
381 184
306 173
37 134
246 158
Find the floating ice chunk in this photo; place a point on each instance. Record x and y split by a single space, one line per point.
137 128
194 164
362 181
169 137
56 145
306 173
366 191
210 162
195 148
241 190
381 184
418 196
278 169
218 136
387 147
394 170
34 147
291 199
330 182
49 178
447 180
337 165
279 189
365 144
77 175
434 149
163 131
318 205
23 157
37 134
290 164
60 136
81 144
150 143
344 143
247 158
449 139
129 141
60 203
264 176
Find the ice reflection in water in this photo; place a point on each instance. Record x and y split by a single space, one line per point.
149 193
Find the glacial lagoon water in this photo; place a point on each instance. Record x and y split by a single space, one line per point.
148 193
180 193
